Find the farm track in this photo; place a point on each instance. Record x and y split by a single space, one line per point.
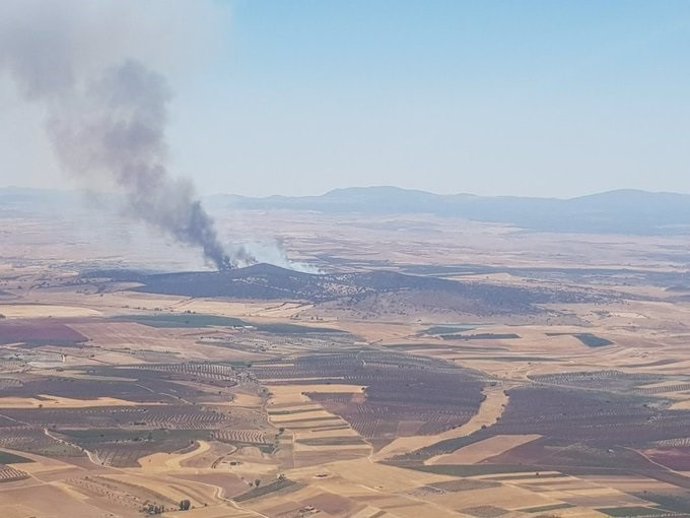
219 494
92 456
676 475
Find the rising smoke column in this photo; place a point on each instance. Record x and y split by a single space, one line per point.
116 128
107 126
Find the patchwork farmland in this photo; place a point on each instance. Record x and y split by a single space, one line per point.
383 387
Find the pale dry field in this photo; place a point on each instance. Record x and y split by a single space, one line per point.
46 311
482 450
48 401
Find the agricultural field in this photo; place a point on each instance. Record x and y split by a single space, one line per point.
38 333
435 386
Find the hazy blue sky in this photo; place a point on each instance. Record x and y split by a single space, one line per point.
545 98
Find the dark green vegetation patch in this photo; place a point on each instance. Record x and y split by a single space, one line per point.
449 329
182 320
546 508
194 320
589 339
11 458
633 511
676 501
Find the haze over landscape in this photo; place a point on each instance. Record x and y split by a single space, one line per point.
368 259
532 98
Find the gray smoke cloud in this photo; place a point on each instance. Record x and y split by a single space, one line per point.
106 123
115 128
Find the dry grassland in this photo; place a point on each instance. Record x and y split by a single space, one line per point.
17 311
482 450
165 462
48 401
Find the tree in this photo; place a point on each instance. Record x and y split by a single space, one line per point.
257 482
185 505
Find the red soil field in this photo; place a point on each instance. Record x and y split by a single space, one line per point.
677 459
39 332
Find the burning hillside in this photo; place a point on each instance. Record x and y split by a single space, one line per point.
363 289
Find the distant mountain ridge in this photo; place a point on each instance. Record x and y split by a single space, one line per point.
623 211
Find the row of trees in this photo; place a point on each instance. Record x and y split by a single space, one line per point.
153 509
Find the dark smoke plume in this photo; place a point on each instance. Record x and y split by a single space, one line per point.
116 128
108 126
